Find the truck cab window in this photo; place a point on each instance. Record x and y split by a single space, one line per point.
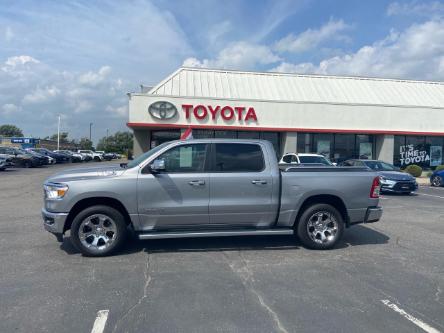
238 157
185 158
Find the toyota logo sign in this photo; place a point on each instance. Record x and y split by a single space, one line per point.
162 110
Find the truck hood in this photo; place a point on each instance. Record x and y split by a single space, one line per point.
86 173
396 175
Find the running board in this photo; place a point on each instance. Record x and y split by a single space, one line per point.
188 234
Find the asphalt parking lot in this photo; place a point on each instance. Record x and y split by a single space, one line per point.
384 277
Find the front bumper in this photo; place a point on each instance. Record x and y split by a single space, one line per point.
373 214
54 222
400 187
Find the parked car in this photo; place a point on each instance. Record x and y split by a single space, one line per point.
207 188
392 179
3 163
58 157
20 158
293 158
94 155
437 178
74 157
43 160
8 160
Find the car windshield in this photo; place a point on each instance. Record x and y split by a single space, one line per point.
379 166
144 156
314 160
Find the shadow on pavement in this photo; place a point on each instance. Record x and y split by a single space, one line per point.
355 236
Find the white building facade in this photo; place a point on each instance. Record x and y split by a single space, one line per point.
398 121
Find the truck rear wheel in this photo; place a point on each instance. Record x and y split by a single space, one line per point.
98 231
320 227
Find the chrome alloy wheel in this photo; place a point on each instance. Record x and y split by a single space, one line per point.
437 181
97 232
322 227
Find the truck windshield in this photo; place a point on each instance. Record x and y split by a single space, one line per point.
314 160
139 159
379 166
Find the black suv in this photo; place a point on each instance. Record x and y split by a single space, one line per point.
20 157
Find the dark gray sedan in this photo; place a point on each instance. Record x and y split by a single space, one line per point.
392 179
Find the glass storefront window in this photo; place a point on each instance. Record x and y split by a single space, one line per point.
275 140
225 134
159 137
248 135
323 144
344 147
364 146
427 152
434 145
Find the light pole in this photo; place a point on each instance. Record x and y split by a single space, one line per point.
90 125
107 135
58 134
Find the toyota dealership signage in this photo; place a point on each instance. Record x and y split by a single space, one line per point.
162 110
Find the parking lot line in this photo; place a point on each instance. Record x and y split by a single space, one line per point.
100 322
431 195
414 320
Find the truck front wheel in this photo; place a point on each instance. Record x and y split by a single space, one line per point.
320 227
98 230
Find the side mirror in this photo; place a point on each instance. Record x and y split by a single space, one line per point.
158 165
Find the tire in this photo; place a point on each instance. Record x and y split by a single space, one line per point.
320 227
97 159
95 224
436 181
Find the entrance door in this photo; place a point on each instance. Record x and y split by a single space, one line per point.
179 195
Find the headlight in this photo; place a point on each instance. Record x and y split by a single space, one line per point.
55 191
386 181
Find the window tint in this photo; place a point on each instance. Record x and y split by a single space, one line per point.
313 160
287 158
238 157
379 166
185 158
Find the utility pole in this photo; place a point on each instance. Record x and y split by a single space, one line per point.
107 135
58 134
90 125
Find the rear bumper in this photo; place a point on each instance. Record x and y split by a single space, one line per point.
54 222
373 214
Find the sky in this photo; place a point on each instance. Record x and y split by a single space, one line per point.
79 59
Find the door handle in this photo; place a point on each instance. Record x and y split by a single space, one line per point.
259 182
197 182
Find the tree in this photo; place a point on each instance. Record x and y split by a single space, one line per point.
63 137
10 131
85 144
120 142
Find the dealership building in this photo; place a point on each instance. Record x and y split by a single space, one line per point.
397 121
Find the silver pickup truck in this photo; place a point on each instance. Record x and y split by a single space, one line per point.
206 188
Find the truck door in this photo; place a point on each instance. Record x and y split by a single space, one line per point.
241 186
177 196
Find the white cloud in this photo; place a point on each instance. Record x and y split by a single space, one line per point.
10 108
416 53
119 111
312 38
95 78
18 61
40 95
238 55
416 8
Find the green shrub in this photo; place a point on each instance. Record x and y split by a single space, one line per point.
414 170
429 174
439 167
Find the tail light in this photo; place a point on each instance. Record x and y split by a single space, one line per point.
376 188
